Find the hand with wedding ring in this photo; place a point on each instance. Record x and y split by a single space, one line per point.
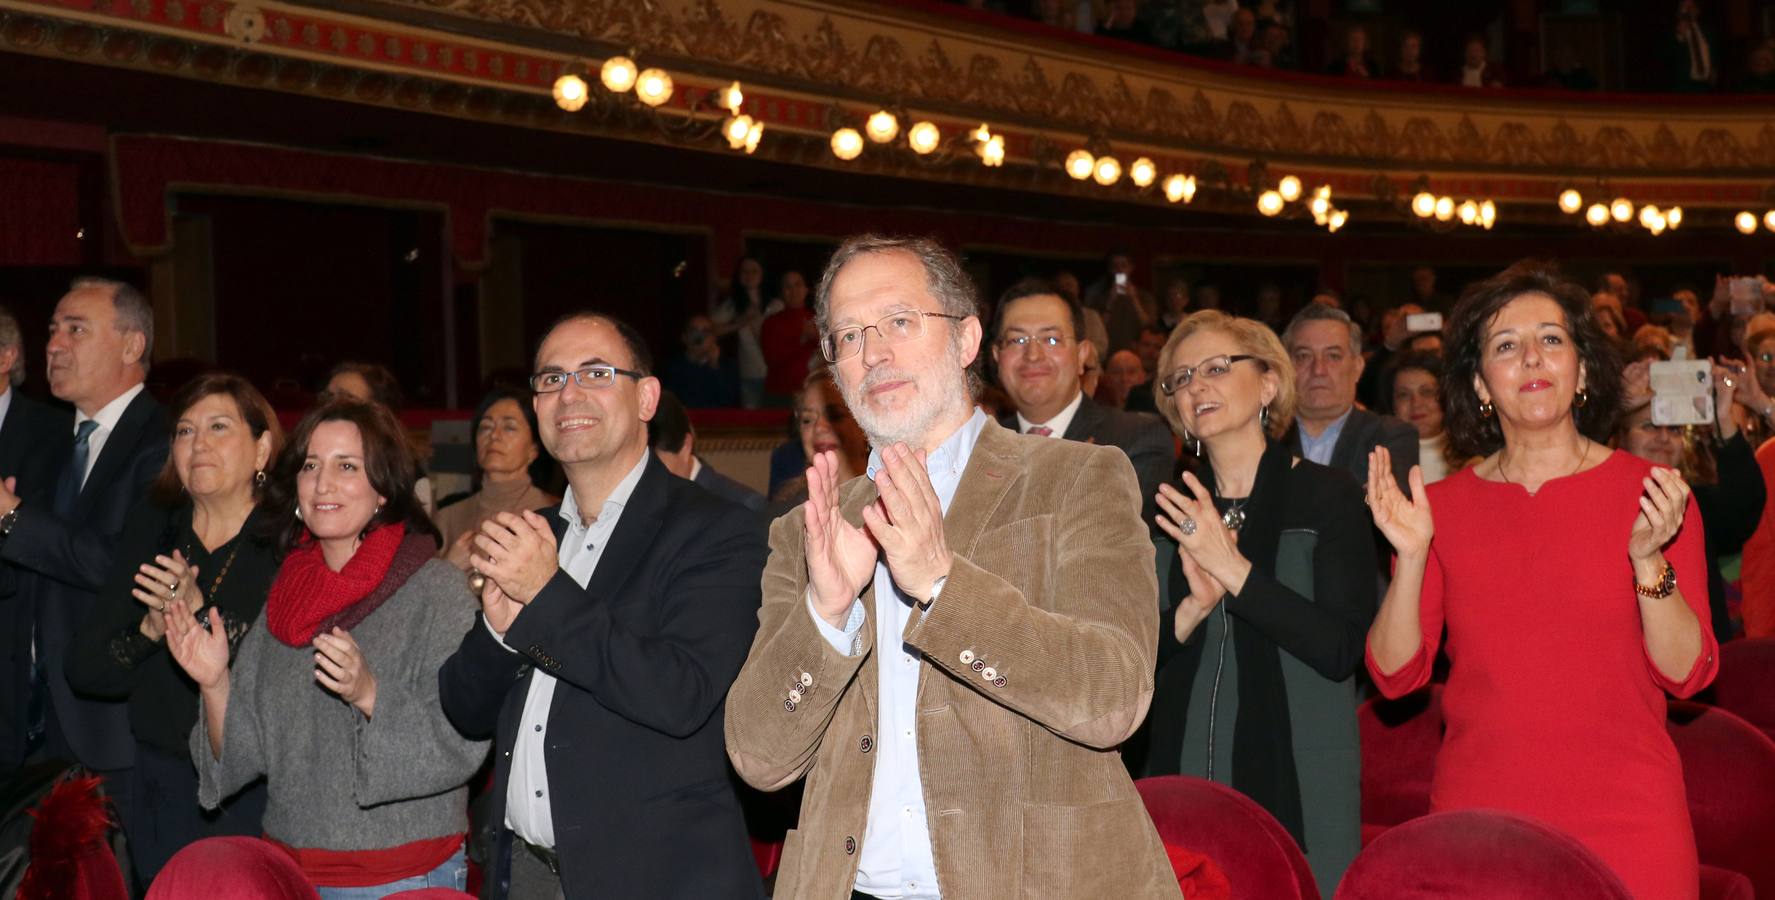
517 552
1193 522
160 584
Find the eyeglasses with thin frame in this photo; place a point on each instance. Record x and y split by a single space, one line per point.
1211 368
589 378
1765 358
894 328
1045 342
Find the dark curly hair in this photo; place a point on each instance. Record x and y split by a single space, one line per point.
388 463
1479 435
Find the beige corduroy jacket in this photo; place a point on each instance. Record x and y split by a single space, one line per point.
1053 594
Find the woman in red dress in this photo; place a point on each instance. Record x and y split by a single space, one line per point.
1571 579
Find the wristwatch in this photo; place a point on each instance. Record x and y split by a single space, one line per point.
1665 587
8 521
936 588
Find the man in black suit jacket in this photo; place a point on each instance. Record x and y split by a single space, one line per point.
673 440
58 540
1329 428
1039 357
611 630
34 436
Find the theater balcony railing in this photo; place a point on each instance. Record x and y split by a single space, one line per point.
809 68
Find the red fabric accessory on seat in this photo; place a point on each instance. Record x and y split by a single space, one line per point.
70 858
1243 842
1197 875
232 868
308 598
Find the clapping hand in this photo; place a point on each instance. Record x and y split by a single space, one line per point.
1205 593
1661 510
201 652
906 521
1405 521
340 667
1192 521
840 556
165 582
518 552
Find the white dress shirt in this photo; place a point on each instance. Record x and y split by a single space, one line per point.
896 861
5 398
1062 420
107 417
528 811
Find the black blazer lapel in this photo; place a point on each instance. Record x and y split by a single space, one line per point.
640 522
120 447
1358 432
1085 422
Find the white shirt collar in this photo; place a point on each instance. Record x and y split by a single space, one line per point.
111 413
619 496
696 468
1062 420
6 393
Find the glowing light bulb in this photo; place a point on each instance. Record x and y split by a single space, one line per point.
1269 203
1320 206
1142 172
1673 217
1180 188
571 92
1570 201
1336 220
653 87
1597 215
1080 163
1769 220
923 138
731 98
1622 209
1445 208
753 136
882 127
1649 214
992 153
735 129
983 133
1289 188
1488 214
1424 204
1469 212
1108 171
1745 222
618 74
847 144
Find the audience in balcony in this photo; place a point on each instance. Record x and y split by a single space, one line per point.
1568 72
1688 55
1355 61
1477 68
702 376
1409 64
738 320
789 340
1759 69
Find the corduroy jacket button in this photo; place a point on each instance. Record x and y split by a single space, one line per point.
967 656
789 705
807 680
978 665
850 846
867 743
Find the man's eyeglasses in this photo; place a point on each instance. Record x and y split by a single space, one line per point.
588 378
894 328
1016 342
1211 368
1765 358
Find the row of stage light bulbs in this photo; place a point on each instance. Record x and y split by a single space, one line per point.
654 87
1621 210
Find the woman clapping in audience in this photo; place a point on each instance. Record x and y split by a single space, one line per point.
196 542
1271 592
334 696
1572 582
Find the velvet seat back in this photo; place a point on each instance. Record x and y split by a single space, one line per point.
1472 854
1399 743
1729 770
1247 844
1745 685
231 868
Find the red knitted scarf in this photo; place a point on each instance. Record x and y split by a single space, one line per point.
308 598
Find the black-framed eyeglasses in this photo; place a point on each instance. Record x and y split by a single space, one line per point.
1016 342
1765 358
1211 368
894 328
588 378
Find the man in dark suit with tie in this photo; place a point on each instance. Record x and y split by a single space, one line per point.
673 440
1330 429
59 542
1039 357
611 629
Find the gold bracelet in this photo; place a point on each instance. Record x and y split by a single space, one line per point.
1665 587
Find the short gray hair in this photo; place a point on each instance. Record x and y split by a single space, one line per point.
1319 312
134 312
944 279
11 339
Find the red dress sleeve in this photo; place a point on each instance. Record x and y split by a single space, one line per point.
1416 671
1688 554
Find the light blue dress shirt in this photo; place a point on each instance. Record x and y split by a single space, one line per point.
896 861
528 810
1319 449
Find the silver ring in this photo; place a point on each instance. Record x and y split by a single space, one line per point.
1188 526
1728 380
173 587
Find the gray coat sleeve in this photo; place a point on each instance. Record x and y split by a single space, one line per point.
409 749
243 753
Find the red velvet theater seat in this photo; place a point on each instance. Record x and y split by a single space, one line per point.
1474 854
1399 743
231 868
1729 770
1249 847
1745 685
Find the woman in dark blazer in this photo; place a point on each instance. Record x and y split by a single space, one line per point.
195 541
1269 598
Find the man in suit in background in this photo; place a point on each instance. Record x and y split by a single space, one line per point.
1036 348
1330 429
611 628
34 440
59 541
952 646
673 440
